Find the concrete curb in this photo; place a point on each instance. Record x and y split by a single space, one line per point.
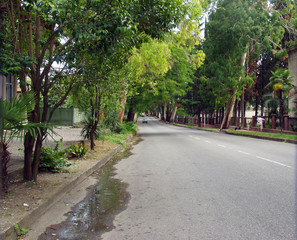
263 137
243 135
29 219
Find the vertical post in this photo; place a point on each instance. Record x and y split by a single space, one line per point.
254 119
273 121
244 122
286 122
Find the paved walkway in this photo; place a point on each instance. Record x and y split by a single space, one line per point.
69 135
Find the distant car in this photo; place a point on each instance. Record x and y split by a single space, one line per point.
144 120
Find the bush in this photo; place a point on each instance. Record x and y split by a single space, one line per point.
77 150
119 128
129 128
53 159
87 126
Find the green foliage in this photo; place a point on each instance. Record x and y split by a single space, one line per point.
87 127
21 232
77 150
127 128
281 81
150 61
181 112
13 114
115 138
53 159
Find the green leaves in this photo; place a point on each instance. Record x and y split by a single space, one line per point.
151 61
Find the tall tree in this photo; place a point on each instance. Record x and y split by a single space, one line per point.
232 27
48 41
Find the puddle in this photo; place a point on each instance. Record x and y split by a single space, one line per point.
94 215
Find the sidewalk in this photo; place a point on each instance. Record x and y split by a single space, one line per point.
50 188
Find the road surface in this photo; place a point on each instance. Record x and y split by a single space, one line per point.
189 184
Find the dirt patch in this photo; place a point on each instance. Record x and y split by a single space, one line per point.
25 197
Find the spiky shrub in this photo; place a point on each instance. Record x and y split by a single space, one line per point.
13 115
87 127
77 150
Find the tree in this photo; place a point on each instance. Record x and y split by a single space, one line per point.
13 114
231 29
147 65
101 93
281 83
47 42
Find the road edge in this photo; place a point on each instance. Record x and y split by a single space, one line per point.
29 219
242 134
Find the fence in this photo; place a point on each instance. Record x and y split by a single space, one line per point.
270 123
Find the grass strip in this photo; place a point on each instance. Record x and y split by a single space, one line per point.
265 134
115 138
252 133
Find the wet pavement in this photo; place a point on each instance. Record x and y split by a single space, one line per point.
95 214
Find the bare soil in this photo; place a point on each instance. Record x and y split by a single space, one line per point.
24 197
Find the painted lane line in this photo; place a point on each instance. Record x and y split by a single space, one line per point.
197 138
223 146
207 141
268 160
243 152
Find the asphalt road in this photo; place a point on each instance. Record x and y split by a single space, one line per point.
189 184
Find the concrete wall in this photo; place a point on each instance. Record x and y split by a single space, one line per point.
292 60
67 116
78 116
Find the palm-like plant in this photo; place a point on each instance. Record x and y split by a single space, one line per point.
13 115
281 83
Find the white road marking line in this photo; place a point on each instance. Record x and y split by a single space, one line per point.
197 138
243 152
268 160
223 146
207 141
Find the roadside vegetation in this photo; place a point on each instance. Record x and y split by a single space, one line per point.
265 134
114 60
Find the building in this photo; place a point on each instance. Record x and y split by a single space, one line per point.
292 60
8 86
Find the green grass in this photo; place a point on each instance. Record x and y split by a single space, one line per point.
189 126
115 138
272 135
265 134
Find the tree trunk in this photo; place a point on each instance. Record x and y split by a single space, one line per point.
123 105
130 116
235 113
228 113
257 105
92 141
242 107
163 112
281 111
168 112
28 156
199 118
231 101
173 113
4 157
36 158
